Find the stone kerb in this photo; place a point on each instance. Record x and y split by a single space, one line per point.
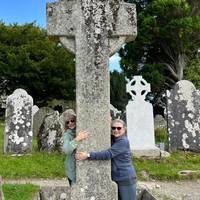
140 122
183 111
18 118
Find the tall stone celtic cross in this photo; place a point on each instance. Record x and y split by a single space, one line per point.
93 30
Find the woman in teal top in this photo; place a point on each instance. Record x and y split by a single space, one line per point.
70 144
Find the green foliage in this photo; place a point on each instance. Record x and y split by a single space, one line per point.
168 38
29 60
192 73
161 135
19 192
118 96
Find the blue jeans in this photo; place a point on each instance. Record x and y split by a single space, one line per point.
127 192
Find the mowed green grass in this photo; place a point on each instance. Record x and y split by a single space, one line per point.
168 168
36 165
46 165
19 192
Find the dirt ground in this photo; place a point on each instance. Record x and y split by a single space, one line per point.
178 190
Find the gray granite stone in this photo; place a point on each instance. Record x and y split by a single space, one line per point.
38 118
55 193
159 122
50 134
93 30
183 109
18 129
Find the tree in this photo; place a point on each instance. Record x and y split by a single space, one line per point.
168 37
29 60
118 95
192 72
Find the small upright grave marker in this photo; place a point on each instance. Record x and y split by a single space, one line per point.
139 116
183 111
18 129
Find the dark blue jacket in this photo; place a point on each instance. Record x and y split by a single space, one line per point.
120 155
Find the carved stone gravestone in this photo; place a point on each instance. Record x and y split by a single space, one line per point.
38 118
93 30
18 129
183 111
140 122
159 122
49 137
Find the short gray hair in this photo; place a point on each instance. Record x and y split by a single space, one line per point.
119 121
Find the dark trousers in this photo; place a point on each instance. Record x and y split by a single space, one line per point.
127 192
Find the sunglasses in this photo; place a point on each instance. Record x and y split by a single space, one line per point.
72 121
114 128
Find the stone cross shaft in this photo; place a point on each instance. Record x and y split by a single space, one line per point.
93 31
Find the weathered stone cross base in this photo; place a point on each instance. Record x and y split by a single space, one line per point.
64 193
148 153
60 190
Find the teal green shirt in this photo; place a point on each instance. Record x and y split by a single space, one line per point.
69 147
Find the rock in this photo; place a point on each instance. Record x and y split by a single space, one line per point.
164 154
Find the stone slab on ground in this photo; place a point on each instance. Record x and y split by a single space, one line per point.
173 190
149 153
161 190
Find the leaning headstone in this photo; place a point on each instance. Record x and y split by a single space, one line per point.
93 30
183 111
1 190
18 129
50 134
38 118
139 115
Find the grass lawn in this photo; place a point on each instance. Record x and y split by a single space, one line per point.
37 165
19 192
168 168
45 165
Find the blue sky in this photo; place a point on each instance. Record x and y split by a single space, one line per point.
26 11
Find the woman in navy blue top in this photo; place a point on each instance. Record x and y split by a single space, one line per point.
122 170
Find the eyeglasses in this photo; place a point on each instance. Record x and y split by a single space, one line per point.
72 121
114 128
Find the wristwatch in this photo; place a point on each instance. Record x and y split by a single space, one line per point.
88 155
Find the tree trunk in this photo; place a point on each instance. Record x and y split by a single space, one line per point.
180 65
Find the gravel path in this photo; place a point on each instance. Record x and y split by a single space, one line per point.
177 190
